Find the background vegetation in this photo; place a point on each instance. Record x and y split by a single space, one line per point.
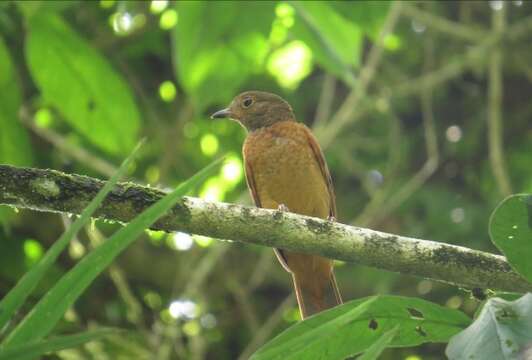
423 110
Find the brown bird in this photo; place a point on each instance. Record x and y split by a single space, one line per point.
286 170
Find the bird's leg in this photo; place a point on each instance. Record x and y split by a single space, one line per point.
331 218
282 208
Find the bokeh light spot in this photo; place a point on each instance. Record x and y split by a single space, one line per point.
191 328
152 174
157 6
183 308
181 241
208 321
213 190
290 64
278 33
33 250
453 133
203 241
153 300
496 5
232 170
413 357
291 315
418 27
457 215
209 144
454 302
424 287
283 10
107 4
156 236
122 22
76 249
167 91
43 118
392 42
168 19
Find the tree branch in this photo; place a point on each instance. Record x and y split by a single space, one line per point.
49 190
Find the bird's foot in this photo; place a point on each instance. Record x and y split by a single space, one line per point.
331 218
283 208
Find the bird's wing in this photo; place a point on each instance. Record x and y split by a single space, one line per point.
252 186
320 159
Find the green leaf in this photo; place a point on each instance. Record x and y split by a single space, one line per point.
335 42
15 147
43 317
511 231
503 330
81 84
378 346
212 62
368 15
16 297
354 327
35 349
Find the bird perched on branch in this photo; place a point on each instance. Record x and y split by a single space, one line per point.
286 170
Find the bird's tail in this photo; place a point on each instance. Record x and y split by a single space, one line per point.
315 294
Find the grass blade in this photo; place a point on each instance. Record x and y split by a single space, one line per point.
36 349
16 297
43 317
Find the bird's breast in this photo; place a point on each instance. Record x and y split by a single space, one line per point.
285 170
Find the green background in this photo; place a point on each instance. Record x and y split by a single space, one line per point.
82 82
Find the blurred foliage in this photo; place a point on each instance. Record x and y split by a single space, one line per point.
81 82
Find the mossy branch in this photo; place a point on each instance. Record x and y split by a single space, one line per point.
49 190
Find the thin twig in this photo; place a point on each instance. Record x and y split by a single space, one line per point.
346 111
442 24
262 266
495 89
242 298
134 308
323 110
431 148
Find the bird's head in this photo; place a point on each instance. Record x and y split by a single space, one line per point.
256 109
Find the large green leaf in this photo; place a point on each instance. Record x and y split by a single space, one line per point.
16 297
81 84
218 45
335 42
35 349
502 331
355 326
511 231
43 317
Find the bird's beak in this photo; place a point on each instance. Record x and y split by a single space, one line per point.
224 113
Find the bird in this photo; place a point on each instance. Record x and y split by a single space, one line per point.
286 170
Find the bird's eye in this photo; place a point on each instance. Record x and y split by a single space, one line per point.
247 102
